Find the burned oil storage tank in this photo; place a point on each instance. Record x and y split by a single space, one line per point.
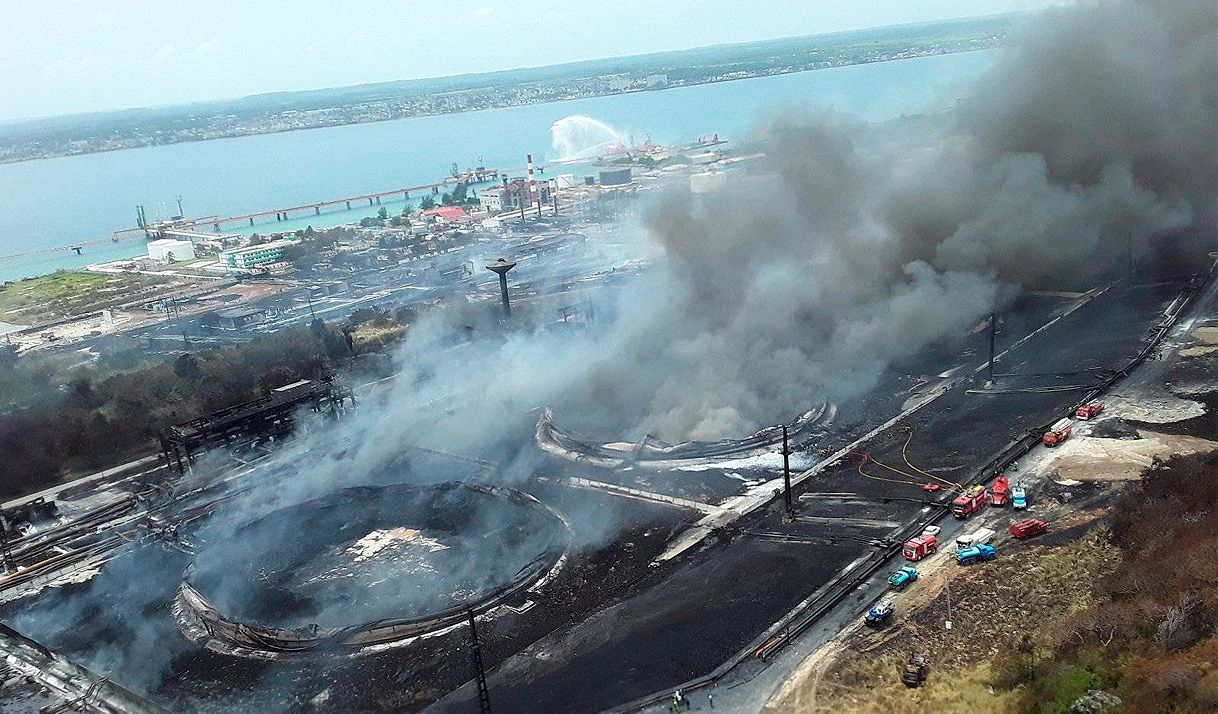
616 176
368 566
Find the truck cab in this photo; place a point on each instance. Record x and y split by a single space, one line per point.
998 494
1089 410
906 575
969 502
1019 498
1059 432
879 613
919 547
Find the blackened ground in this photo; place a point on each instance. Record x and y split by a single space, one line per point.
911 377
689 616
367 553
600 568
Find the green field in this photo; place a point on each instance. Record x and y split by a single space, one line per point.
66 293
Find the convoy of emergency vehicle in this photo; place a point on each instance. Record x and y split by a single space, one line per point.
976 546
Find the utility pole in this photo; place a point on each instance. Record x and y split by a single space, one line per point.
786 472
989 375
484 697
173 312
309 299
947 624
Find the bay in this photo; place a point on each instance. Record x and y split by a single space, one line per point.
51 203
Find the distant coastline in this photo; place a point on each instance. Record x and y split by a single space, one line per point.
35 140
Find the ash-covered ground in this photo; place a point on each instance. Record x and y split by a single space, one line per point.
365 554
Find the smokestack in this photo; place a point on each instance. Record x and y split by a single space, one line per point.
534 199
502 266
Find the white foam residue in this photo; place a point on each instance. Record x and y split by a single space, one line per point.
380 539
772 460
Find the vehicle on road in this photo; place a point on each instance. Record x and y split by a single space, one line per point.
931 530
913 674
1059 432
1019 497
981 535
1027 528
969 502
919 547
879 613
976 553
998 496
1089 410
906 575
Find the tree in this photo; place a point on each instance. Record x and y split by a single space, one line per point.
8 355
383 213
186 366
427 202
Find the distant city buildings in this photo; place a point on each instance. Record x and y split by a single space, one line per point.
221 120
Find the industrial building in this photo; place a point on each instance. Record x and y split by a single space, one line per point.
239 317
256 256
512 195
170 250
615 177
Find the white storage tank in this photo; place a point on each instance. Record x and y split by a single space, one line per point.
168 250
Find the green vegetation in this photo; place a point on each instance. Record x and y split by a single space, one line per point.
60 418
66 293
1149 637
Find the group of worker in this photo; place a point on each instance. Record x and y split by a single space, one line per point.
680 701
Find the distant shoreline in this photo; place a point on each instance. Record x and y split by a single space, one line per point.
909 54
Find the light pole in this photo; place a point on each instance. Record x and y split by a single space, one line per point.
947 624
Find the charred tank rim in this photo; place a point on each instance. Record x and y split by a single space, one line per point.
203 623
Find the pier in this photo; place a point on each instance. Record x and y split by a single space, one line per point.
472 176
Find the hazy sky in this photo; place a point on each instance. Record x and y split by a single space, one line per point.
66 56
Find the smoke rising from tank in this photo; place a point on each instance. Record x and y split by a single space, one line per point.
1092 141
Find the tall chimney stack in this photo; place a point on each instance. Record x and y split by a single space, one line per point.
534 198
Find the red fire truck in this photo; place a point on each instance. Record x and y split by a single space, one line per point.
1089 410
1059 432
919 547
998 496
969 502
